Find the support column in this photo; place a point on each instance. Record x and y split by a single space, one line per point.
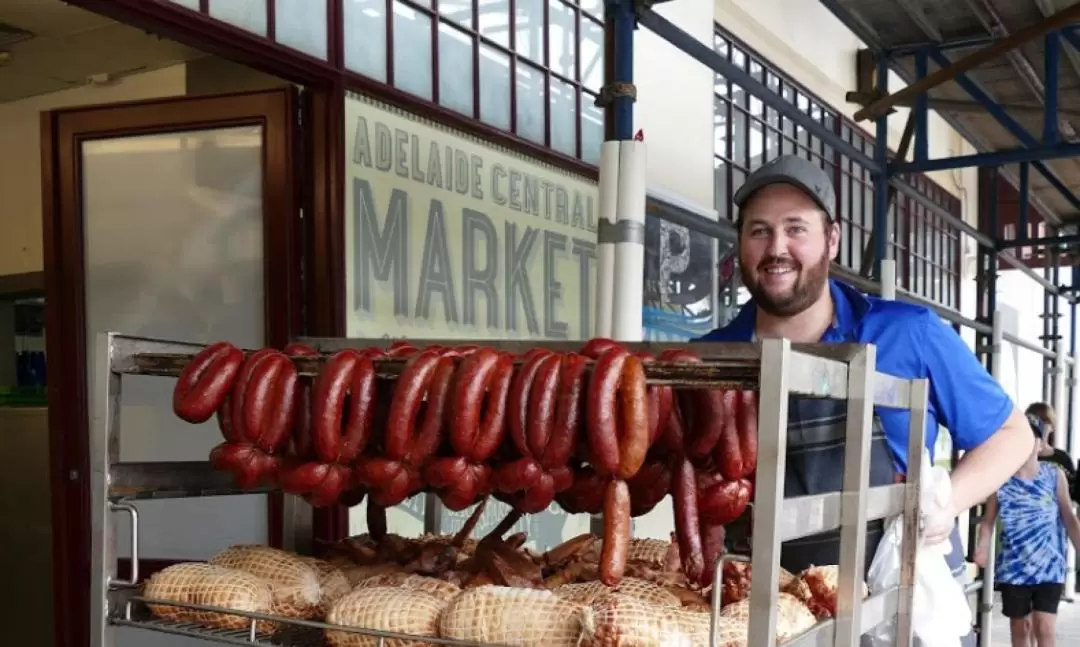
881 179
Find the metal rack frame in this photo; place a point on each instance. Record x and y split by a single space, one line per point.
780 369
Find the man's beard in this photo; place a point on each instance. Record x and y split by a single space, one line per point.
809 284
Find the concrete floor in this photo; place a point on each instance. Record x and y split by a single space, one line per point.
1068 625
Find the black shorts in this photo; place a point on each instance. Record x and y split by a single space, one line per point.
1019 601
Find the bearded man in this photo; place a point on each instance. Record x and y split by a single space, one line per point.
788 236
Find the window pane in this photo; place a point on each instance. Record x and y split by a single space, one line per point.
412 51
459 11
592 129
530 102
594 8
494 21
301 25
455 69
365 37
190 4
592 54
494 87
529 29
562 39
249 15
563 117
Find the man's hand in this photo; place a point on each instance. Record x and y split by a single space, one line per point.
936 526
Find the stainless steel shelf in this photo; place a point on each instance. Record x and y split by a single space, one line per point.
811 515
776 368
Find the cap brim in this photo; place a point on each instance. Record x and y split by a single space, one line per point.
753 185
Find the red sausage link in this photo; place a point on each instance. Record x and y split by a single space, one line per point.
361 399
409 393
328 404
206 381
224 420
517 403
586 494
748 438
600 410
247 464
300 445
702 411
268 400
728 452
616 545
649 487
720 503
430 435
633 430
542 405
567 412
239 394
516 476
712 545
687 522
659 404
597 346
492 429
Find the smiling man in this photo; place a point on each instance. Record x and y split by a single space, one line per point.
788 236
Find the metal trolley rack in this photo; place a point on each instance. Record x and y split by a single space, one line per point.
776 367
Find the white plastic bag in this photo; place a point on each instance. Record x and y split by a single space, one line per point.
940 615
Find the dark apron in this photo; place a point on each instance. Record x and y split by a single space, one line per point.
815 465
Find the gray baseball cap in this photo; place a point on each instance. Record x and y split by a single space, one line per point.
796 171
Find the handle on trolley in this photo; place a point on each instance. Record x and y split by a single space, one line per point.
718 591
133 513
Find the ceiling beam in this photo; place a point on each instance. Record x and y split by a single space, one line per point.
954 105
969 62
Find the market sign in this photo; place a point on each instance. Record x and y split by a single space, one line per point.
450 237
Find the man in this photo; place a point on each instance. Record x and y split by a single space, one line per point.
788 235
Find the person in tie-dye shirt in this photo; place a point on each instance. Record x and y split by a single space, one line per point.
1036 516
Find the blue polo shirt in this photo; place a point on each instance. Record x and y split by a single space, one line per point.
912 342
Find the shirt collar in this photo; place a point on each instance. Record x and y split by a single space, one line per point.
850 307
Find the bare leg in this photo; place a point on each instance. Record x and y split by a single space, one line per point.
1020 631
1043 627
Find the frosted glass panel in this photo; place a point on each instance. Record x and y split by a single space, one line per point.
174 249
494 21
562 38
245 14
456 82
494 87
563 117
365 37
529 28
530 103
301 25
412 51
592 130
592 54
190 4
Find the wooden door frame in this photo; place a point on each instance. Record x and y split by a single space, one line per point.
66 343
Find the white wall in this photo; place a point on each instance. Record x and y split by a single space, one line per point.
806 41
20 164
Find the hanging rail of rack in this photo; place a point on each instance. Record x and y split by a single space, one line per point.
777 369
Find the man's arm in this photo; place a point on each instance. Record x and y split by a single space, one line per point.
983 422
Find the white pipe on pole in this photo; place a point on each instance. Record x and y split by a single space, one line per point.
888 279
605 250
629 240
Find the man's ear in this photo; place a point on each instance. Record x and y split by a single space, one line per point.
834 239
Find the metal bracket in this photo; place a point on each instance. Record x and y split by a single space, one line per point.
613 91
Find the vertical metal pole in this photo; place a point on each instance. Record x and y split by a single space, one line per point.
1025 196
769 489
918 402
1072 446
104 407
986 595
860 412
619 30
1051 50
881 179
922 111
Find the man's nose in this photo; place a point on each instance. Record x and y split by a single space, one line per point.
777 244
